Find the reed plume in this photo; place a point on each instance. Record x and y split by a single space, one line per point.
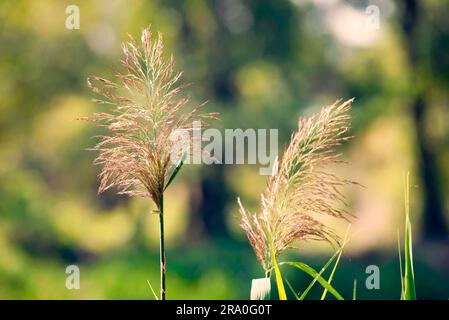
145 106
301 188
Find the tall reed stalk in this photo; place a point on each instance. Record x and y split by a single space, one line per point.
138 154
408 291
162 247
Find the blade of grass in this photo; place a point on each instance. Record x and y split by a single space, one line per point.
152 290
292 290
323 269
354 291
314 274
400 266
323 296
176 170
409 278
309 287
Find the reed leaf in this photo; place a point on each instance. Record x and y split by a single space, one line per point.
141 112
176 170
323 296
292 290
152 290
409 277
279 282
400 265
314 274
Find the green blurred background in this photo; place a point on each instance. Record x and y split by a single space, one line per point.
261 64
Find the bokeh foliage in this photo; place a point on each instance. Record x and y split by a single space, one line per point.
261 64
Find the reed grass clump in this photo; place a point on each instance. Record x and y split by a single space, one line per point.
144 106
301 188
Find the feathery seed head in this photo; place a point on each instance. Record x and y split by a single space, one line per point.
146 105
301 188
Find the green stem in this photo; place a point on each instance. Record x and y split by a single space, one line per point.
161 246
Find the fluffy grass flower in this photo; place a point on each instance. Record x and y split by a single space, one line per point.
301 188
144 106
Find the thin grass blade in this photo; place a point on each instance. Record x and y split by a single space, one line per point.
409 277
323 269
176 170
291 289
152 290
314 274
400 266
279 282
323 296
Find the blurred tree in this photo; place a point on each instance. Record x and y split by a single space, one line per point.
413 19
